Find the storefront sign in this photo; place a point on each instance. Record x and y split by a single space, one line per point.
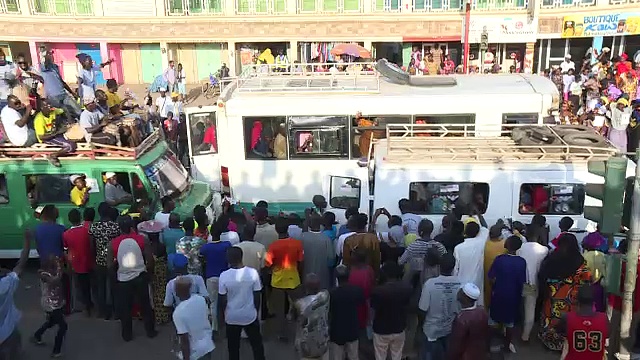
607 24
502 30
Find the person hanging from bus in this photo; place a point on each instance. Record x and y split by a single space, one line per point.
586 331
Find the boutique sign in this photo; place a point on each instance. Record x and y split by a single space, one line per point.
608 24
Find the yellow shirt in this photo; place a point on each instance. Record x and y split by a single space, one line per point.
77 195
280 147
492 249
44 124
112 98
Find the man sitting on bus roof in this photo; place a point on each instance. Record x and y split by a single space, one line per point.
49 132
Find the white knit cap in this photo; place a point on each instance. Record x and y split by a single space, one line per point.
471 290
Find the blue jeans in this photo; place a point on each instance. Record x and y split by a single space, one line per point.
435 350
67 103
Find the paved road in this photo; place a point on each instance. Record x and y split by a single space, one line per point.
90 338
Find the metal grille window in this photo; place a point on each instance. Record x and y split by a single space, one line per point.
194 7
61 7
499 4
386 5
9 7
437 5
567 3
330 6
261 6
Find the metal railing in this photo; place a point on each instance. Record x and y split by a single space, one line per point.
305 78
261 7
329 6
194 7
61 7
555 4
9 7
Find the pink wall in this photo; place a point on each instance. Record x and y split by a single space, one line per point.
63 52
115 53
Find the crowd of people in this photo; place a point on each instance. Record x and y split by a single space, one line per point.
601 91
39 107
354 291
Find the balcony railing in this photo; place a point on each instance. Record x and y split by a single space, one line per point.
194 7
9 7
329 6
61 7
551 4
386 5
260 7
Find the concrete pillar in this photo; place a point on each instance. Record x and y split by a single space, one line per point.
292 54
229 9
367 6
528 58
104 54
292 7
35 53
368 45
161 9
232 64
24 7
164 49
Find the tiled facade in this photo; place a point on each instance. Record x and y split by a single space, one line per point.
271 20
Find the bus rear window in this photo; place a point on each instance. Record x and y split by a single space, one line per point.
265 137
204 139
551 199
318 137
468 198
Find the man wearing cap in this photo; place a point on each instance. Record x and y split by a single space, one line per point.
469 338
114 194
567 64
163 104
80 193
92 121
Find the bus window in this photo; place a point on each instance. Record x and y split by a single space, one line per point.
4 190
520 118
318 136
551 199
49 188
367 128
345 192
265 137
442 197
203 133
460 122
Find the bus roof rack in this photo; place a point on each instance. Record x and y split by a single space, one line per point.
419 143
84 151
301 78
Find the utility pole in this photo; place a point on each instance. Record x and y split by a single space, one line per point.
633 239
467 25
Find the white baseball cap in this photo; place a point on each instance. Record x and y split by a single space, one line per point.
162 89
73 178
109 174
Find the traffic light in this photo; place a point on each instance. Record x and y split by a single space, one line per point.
484 40
609 215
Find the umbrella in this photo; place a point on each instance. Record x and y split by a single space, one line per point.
351 49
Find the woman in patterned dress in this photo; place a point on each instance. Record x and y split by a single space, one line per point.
561 275
152 230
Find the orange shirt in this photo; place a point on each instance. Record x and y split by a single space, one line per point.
284 255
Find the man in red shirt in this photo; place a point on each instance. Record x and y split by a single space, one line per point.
77 248
586 330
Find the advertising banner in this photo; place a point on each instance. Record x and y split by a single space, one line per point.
607 24
502 30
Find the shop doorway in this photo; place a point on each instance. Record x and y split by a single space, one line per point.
248 53
390 51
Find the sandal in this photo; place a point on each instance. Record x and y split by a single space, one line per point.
53 160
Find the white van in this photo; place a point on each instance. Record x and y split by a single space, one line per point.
492 174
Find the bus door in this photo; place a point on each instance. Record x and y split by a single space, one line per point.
204 161
345 191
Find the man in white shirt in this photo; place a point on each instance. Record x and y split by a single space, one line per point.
167 207
239 294
470 257
567 64
5 67
533 253
180 263
163 104
15 124
409 219
192 325
91 122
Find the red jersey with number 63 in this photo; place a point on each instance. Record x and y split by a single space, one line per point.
586 336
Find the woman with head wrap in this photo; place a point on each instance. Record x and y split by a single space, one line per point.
561 275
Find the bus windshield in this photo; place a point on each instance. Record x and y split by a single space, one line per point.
167 175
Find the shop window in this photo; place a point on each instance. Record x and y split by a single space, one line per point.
44 189
551 199
468 198
4 190
345 192
558 48
203 133
262 134
459 124
312 137
367 128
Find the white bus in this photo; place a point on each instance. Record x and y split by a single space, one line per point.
279 136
